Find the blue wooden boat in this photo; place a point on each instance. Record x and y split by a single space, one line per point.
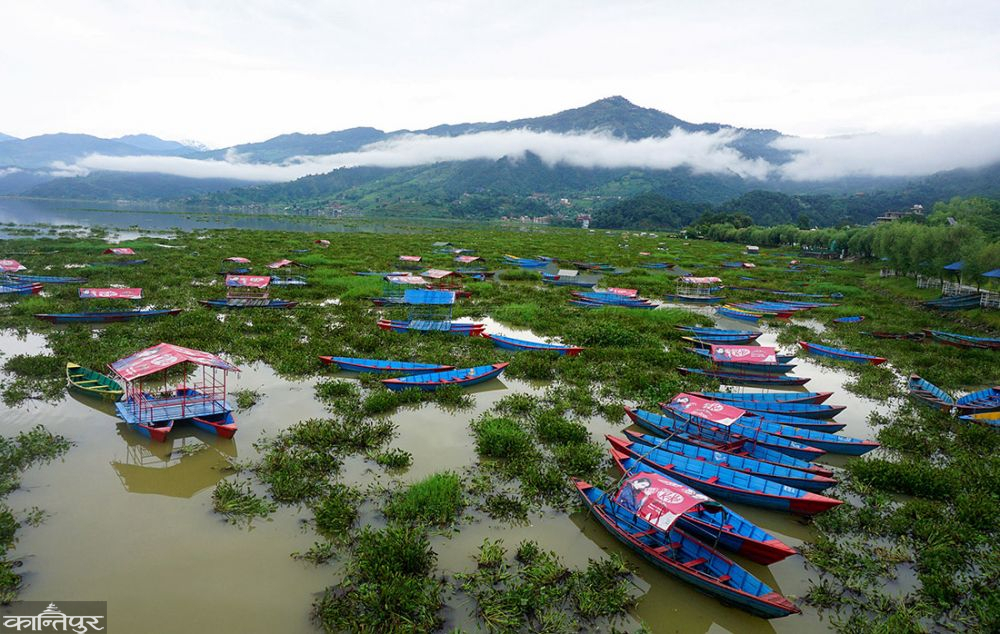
766 397
723 483
781 358
830 443
707 341
222 425
822 426
657 265
683 556
658 450
841 355
724 528
45 279
247 302
754 368
705 433
292 280
19 288
720 332
694 299
119 263
856 319
586 303
525 263
240 270
463 377
384 366
610 299
418 325
987 400
801 410
746 378
740 315
964 341
104 317
520 345
957 302
566 280
929 394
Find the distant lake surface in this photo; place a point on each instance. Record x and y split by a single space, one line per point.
166 218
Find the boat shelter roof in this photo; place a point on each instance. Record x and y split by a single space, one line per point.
110 293
410 258
714 411
658 499
119 251
283 263
248 281
467 259
11 266
438 274
428 297
238 260
163 356
699 280
760 355
405 279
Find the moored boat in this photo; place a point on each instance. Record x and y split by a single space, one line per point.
840 354
453 327
929 394
854 319
509 343
767 397
247 302
463 377
92 383
104 317
45 279
987 418
223 425
677 553
383 366
746 378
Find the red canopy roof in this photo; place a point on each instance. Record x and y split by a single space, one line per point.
110 293
163 356
120 251
657 499
11 266
467 259
238 260
624 292
437 274
252 281
762 355
281 263
410 258
405 279
324 243
700 280
713 411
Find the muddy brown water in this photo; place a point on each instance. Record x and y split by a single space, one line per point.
130 521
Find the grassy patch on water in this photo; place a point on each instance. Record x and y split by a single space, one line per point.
437 499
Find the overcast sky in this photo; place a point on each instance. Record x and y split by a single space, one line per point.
249 70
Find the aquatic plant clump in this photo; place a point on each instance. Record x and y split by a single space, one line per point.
437 499
238 502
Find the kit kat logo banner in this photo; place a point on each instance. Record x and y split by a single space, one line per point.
706 409
110 293
761 355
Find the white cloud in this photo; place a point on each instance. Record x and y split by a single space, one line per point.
7 171
702 152
890 154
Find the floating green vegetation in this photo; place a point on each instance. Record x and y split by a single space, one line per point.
388 586
245 399
536 592
238 502
437 499
336 510
37 376
393 459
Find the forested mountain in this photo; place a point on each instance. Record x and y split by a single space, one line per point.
42 151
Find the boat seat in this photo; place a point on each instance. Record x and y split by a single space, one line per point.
724 578
87 381
712 480
695 562
647 533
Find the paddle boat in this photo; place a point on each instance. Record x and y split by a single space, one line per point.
855 319
799 410
767 397
841 355
640 445
706 333
509 343
964 341
383 366
45 279
746 378
780 367
987 418
91 383
105 317
987 400
929 394
676 552
419 325
723 483
463 377
761 447
20 288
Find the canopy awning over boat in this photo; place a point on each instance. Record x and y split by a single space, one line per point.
11 266
567 273
762 355
237 260
410 258
467 259
428 298
624 292
657 499
323 243
248 281
284 263
700 280
110 293
163 356
405 279
119 251
438 274
955 266
718 413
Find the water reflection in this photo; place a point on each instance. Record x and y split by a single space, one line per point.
180 467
